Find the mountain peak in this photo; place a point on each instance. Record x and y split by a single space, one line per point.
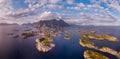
53 23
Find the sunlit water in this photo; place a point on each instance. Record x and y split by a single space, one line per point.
17 48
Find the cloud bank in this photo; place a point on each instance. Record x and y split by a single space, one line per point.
95 12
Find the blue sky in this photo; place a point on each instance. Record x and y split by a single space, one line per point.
84 11
16 4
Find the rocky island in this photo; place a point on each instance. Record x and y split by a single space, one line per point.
101 37
44 44
91 35
67 36
28 34
110 51
85 43
89 54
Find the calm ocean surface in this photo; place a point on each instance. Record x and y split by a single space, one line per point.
17 48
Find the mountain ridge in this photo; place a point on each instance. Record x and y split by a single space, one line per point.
51 23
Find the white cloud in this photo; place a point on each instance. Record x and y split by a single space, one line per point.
103 23
70 1
49 16
7 15
101 14
81 5
54 1
73 8
5 10
92 19
114 4
35 4
5 7
115 7
51 6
